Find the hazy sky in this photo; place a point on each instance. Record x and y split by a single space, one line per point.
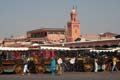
96 16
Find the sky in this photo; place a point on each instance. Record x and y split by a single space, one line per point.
96 16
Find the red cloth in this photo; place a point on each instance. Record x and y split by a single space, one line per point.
16 54
40 53
53 53
47 54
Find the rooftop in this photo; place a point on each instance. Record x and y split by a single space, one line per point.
47 29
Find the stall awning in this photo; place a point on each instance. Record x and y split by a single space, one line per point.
13 48
93 50
54 48
117 49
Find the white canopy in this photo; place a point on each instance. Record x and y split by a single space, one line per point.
93 50
13 48
54 48
35 44
117 49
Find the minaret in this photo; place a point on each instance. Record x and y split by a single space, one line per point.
73 27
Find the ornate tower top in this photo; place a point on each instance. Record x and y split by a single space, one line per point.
73 15
73 11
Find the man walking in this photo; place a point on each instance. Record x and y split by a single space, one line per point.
96 65
59 61
72 64
25 68
114 61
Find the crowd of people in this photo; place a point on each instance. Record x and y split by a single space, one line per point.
58 65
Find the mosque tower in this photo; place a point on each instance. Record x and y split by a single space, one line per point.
73 27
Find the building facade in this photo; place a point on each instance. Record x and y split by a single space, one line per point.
47 35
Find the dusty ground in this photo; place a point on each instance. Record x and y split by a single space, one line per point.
64 76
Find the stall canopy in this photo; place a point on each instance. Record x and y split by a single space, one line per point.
54 48
93 50
14 48
117 49
35 44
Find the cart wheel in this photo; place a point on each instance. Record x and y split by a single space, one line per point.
88 67
39 69
18 69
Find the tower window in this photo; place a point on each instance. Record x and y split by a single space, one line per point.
75 30
74 19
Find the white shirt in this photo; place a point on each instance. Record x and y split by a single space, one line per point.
72 61
59 61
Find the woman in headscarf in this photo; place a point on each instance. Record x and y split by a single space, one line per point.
53 66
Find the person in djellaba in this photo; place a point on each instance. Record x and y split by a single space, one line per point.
53 66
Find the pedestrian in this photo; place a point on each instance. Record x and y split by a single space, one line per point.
25 68
96 65
114 61
31 65
59 66
103 67
72 64
53 66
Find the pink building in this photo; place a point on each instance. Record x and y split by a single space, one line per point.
47 35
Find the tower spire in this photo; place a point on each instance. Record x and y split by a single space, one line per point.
73 7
